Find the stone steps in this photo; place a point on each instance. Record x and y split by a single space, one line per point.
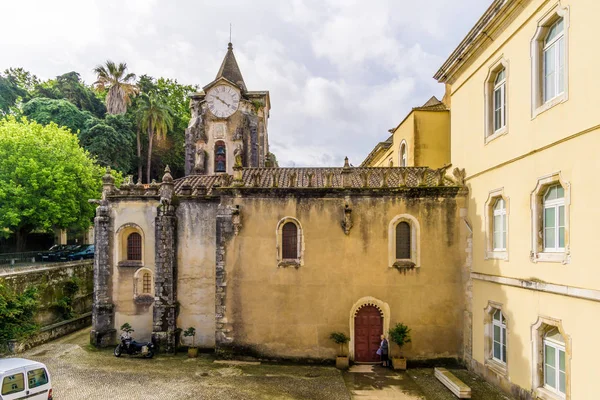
455 385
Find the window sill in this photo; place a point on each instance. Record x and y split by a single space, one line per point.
143 299
289 263
560 257
549 104
404 264
496 255
496 135
496 367
130 263
545 394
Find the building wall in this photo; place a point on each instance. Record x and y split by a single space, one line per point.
125 213
561 139
427 135
290 312
432 133
196 269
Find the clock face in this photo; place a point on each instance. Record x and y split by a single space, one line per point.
223 101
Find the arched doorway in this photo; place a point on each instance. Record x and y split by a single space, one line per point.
368 327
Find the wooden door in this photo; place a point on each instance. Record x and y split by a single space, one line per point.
368 327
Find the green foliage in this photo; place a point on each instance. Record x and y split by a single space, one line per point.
61 112
111 147
112 79
126 328
70 87
190 332
400 334
17 313
341 339
64 305
46 179
10 93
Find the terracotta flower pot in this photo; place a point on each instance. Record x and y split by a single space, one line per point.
399 363
192 352
342 362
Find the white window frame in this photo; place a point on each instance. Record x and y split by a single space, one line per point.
538 252
499 213
539 103
555 45
539 330
558 347
554 204
502 340
490 251
490 86
498 366
403 154
500 87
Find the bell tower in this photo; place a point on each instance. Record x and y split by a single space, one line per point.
228 124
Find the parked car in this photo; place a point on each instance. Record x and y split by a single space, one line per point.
21 378
49 254
85 252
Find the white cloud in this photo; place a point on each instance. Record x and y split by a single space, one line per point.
340 72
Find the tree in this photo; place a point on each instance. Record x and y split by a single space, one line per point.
70 87
111 147
46 179
10 93
113 77
156 119
62 112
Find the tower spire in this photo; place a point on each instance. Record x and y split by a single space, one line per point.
230 69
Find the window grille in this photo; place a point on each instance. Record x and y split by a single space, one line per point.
403 241
290 241
134 247
146 283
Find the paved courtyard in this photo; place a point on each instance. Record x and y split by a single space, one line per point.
81 372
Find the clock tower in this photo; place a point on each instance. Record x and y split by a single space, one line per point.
228 124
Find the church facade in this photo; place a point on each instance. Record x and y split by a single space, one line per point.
270 261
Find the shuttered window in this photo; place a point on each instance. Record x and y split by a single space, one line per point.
403 241
134 247
290 241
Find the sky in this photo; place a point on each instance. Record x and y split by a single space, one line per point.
340 72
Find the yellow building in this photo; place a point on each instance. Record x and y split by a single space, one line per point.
525 127
422 139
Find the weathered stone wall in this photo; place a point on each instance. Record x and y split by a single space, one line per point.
50 279
290 312
196 269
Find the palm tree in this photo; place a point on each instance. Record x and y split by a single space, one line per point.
156 118
120 87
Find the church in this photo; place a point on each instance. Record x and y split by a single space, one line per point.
269 261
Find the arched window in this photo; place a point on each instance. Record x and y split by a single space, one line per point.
403 154
146 283
289 240
554 61
403 241
134 247
499 337
554 219
500 100
220 156
499 227
555 376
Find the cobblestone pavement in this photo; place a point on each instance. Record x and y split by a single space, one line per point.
80 372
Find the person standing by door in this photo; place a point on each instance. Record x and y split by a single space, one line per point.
383 352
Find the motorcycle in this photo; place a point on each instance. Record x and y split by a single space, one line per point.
131 347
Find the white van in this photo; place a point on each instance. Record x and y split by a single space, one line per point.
24 379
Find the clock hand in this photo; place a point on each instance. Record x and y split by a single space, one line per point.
222 101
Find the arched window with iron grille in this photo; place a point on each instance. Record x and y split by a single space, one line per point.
403 241
289 240
220 157
146 283
134 247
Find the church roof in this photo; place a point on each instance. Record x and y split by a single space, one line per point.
306 178
230 69
433 104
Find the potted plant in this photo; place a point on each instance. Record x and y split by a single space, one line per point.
400 334
192 350
342 361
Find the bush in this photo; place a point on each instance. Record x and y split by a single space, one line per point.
190 332
400 334
341 339
17 312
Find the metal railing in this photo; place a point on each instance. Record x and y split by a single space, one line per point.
18 258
